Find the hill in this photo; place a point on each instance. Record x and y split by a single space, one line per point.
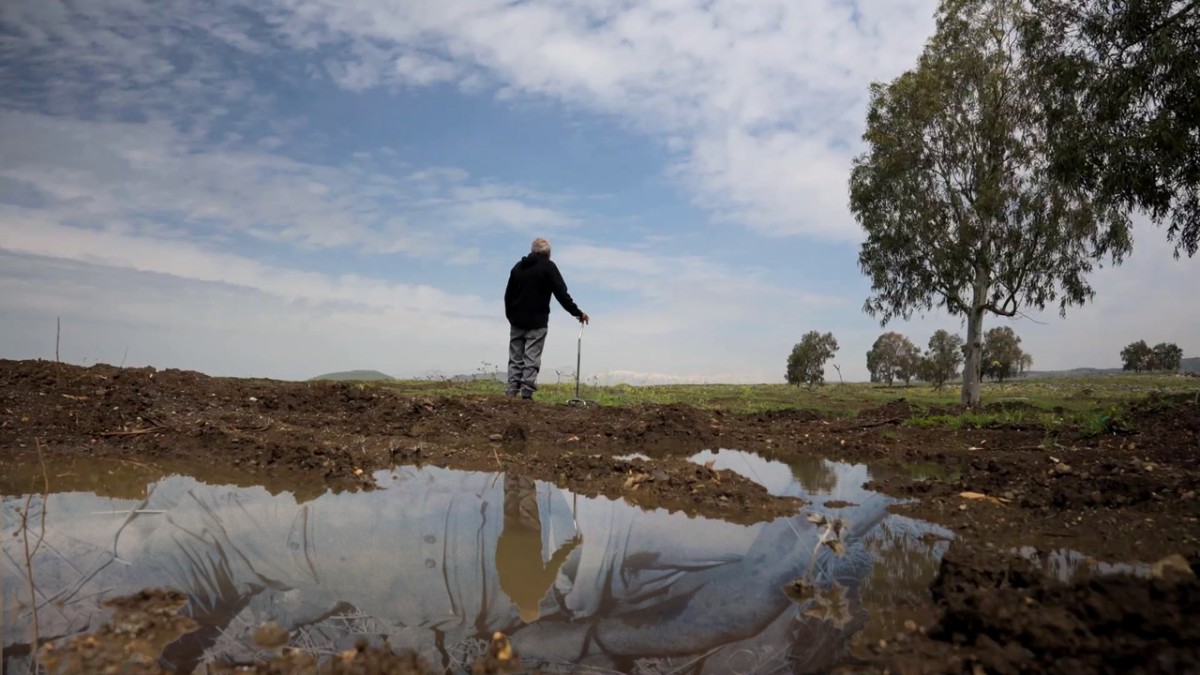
355 376
1190 365
1073 372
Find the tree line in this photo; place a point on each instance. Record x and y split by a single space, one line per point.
893 357
1003 167
1139 357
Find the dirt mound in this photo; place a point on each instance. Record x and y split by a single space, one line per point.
1002 615
897 409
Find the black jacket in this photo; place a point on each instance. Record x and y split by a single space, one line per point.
530 284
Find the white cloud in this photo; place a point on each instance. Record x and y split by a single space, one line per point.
763 97
136 175
763 100
23 232
167 321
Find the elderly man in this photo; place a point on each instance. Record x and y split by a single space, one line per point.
527 305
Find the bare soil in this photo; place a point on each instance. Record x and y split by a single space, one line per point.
1128 494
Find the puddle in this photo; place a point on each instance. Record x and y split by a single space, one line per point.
437 560
1068 565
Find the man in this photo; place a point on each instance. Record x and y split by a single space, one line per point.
527 305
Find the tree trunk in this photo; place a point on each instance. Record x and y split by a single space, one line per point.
973 367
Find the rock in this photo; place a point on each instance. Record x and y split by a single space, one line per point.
1062 469
495 438
1173 566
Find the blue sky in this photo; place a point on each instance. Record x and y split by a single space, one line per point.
287 187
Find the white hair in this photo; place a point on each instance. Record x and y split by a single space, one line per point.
540 245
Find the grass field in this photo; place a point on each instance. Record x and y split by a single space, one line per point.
1047 401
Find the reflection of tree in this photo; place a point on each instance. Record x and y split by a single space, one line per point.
816 475
898 585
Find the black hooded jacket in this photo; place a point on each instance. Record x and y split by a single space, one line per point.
530 284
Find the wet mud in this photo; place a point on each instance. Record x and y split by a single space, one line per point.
1119 502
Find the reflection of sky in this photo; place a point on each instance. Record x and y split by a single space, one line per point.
415 560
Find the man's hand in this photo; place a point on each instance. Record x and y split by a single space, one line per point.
583 318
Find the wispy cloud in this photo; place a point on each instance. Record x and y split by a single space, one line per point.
136 175
761 98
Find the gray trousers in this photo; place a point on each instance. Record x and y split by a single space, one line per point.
524 359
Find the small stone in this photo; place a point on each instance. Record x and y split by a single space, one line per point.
1173 566
962 507
910 626
495 438
1062 468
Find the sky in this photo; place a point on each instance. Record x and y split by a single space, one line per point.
283 188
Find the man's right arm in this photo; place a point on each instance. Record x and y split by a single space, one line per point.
564 298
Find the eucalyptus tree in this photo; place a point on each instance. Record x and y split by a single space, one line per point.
953 191
1121 82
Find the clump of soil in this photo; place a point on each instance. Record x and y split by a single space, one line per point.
141 626
1002 615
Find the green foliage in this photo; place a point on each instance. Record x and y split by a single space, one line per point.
893 357
941 361
1121 85
1139 356
806 363
1136 356
1166 357
1003 357
1112 420
953 192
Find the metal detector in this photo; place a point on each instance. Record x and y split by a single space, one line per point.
578 362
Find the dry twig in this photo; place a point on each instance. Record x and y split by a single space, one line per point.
30 553
134 432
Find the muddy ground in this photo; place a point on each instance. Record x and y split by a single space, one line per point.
1128 494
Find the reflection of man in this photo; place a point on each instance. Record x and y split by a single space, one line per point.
523 576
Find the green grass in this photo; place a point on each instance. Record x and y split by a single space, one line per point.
1051 403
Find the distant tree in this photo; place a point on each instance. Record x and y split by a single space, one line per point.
806 363
1002 354
1120 82
1166 356
893 357
1136 356
952 191
942 359
1025 364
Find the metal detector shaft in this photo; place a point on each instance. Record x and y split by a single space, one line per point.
578 367
578 358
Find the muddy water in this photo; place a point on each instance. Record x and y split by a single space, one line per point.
437 560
